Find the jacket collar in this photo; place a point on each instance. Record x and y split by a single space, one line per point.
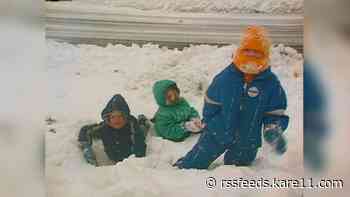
264 75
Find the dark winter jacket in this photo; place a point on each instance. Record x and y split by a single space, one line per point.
235 111
169 119
118 143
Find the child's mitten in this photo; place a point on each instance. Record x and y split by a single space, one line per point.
281 145
89 155
191 126
142 119
273 135
144 123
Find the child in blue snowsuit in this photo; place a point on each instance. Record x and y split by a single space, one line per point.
242 100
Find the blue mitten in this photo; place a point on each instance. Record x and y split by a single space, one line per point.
273 135
89 155
281 145
143 122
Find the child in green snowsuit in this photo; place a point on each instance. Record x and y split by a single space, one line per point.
175 119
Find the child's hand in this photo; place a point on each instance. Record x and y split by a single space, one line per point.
198 123
89 156
191 126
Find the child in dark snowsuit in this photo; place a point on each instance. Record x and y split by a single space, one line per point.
121 133
175 119
244 99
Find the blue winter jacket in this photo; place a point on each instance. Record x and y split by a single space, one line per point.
235 111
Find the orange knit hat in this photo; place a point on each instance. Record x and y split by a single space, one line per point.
254 38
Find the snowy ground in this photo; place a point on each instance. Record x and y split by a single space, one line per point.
208 6
84 77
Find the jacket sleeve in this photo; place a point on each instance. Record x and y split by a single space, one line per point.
139 140
212 104
275 110
169 129
87 133
193 113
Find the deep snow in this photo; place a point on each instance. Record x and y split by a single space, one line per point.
208 6
84 77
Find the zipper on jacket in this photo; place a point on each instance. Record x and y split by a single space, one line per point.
245 86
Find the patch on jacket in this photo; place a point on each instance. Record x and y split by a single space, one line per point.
253 91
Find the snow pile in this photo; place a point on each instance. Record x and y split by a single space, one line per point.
84 77
209 6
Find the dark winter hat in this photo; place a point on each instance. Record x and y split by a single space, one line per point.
117 103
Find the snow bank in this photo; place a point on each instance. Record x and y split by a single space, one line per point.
84 77
209 6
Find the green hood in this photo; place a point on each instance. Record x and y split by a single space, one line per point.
159 90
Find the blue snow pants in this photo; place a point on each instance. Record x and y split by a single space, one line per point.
208 150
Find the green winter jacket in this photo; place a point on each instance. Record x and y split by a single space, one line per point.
169 119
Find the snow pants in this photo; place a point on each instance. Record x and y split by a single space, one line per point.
207 150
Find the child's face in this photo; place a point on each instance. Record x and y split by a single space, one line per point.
171 96
252 61
117 120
